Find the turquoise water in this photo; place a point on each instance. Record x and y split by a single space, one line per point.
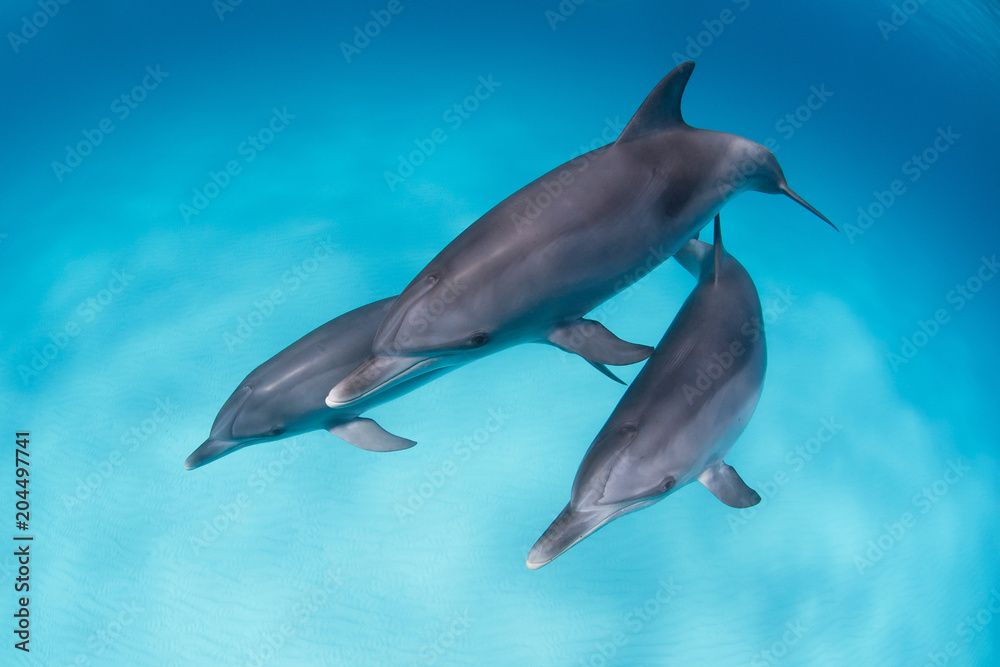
131 319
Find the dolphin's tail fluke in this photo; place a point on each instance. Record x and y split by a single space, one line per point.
570 527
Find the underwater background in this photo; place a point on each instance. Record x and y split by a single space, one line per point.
161 237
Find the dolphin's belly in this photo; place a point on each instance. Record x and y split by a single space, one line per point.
722 419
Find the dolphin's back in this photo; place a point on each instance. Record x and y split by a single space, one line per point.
298 376
566 242
284 395
689 403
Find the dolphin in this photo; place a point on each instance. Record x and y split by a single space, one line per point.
533 266
284 396
680 417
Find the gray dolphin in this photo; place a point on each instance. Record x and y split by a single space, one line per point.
284 396
533 266
683 412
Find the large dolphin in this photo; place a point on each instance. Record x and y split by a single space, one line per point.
683 412
284 396
533 266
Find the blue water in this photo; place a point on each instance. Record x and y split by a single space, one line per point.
128 320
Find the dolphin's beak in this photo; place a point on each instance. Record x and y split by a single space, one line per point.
211 450
570 527
802 202
376 375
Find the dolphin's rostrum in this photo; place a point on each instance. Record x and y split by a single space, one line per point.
670 429
623 207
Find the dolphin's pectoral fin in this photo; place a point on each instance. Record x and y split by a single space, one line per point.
725 483
607 371
364 433
592 341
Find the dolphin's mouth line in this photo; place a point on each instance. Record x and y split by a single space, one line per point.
398 377
234 446
385 384
594 529
614 515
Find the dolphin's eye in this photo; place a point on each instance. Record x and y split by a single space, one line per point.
479 339
276 431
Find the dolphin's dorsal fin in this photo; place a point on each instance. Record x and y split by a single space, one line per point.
693 254
717 254
662 108
726 485
366 434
